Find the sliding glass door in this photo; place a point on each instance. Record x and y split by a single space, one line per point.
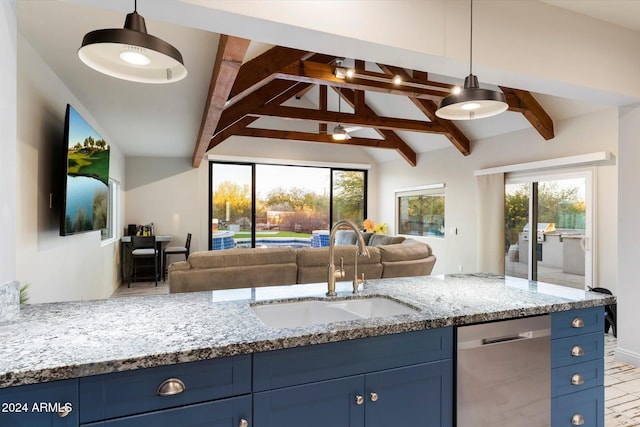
549 228
265 205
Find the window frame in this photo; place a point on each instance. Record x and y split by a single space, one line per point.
422 190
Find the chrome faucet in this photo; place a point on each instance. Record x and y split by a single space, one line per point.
333 273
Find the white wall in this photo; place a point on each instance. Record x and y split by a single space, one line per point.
628 248
56 268
591 133
174 196
8 64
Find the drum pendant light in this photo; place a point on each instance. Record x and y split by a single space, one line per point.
472 102
130 53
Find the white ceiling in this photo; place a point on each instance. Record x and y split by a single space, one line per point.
164 120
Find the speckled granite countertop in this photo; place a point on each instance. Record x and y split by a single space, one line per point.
67 340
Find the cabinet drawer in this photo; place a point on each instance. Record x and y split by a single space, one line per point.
577 377
47 404
577 349
301 365
220 413
576 322
585 406
133 392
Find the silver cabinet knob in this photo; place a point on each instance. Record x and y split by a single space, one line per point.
577 351
577 322
359 400
577 420
373 396
170 387
243 423
577 379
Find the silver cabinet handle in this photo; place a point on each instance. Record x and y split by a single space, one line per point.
577 379
243 423
359 400
170 387
577 420
577 322
577 351
373 396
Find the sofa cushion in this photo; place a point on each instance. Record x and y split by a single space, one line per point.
313 262
404 252
383 239
348 237
242 257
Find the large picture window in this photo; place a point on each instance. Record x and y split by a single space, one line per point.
420 210
264 205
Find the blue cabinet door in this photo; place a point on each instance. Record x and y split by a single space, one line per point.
219 413
52 404
420 395
329 403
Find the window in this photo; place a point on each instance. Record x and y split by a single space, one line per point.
420 210
109 232
262 205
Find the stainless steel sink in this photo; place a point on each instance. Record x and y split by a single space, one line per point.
294 314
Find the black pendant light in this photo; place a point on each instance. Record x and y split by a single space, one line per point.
130 53
472 102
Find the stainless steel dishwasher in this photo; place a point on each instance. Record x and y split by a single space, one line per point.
504 373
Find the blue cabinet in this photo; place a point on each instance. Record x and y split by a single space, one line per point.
53 404
577 368
210 392
401 379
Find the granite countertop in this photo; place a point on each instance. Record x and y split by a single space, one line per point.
73 339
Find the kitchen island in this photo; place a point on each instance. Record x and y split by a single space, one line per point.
60 343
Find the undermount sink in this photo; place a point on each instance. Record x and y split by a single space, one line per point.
294 314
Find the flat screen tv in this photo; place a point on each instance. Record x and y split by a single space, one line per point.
85 205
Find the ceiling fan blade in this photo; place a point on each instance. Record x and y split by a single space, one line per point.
353 129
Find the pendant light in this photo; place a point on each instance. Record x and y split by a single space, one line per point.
472 102
130 53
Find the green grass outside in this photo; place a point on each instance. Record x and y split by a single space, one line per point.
95 165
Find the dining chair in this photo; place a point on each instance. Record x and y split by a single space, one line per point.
175 250
143 247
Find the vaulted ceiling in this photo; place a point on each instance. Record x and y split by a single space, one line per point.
240 94
249 89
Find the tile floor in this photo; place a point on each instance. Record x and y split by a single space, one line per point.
622 390
622 381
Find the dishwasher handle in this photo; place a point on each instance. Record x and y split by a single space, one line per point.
502 339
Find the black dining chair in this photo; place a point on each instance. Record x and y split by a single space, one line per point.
175 250
143 247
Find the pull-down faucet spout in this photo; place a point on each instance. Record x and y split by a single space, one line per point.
333 273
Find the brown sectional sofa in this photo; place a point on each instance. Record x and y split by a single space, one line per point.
241 268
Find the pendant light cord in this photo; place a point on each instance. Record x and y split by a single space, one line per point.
471 40
135 5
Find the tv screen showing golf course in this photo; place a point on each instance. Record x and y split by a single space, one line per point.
86 195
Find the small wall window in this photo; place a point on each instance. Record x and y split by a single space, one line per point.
420 210
109 232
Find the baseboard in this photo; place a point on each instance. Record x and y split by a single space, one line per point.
627 356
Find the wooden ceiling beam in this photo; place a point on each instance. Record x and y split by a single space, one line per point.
393 138
240 120
259 71
428 108
317 73
522 101
231 51
367 119
322 103
313 137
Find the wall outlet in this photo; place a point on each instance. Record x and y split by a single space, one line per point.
459 269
